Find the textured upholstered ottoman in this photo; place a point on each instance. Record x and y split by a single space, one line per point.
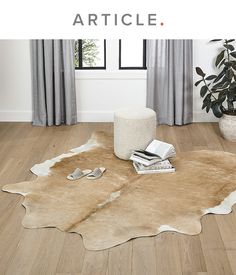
133 129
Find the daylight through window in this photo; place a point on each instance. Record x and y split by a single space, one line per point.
90 54
132 54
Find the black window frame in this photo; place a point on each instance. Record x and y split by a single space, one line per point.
144 67
81 58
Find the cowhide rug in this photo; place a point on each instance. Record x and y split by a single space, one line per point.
123 205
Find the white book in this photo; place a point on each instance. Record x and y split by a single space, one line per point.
162 149
144 161
161 167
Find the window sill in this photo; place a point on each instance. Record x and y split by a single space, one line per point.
104 74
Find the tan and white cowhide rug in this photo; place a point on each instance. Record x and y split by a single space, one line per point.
123 205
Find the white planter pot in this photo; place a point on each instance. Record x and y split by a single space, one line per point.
227 125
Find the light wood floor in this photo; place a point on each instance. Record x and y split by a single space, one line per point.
49 251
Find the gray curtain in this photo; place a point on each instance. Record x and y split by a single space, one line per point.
169 80
53 82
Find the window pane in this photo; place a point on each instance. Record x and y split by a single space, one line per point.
93 53
131 54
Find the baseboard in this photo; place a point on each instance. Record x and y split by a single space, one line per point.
204 117
90 116
15 116
108 116
95 116
83 116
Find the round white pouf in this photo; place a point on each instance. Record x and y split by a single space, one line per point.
133 129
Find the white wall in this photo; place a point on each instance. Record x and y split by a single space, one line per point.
204 54
97 98
15 81
99 93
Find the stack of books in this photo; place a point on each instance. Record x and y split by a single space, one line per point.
154 159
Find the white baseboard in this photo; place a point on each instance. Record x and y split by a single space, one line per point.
15 116
95 116
204 117
83 116
108 116
90 116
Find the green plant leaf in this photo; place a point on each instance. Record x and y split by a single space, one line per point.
207 98
225 85
222 62
230 97
208 107
204 104
229 47
230 40
221 97
206 101
225 79
210 77
221 84
214 91
216 109
233 54
230 104
198 82
200 72
221 74
219 57
229 74
228 63
220 87
215 40
203 90
232 86
217 86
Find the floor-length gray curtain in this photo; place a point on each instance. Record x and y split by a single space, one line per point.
53 82
169 80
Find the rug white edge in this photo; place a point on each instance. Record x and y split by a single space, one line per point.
225 207
166 227
43 169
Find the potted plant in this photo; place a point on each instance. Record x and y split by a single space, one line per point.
219 91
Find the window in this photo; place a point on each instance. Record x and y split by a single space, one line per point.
110 55
132 54
90 54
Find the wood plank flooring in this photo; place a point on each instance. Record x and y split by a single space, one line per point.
49 251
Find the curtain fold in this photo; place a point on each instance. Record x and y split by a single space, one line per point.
53 82
169 80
